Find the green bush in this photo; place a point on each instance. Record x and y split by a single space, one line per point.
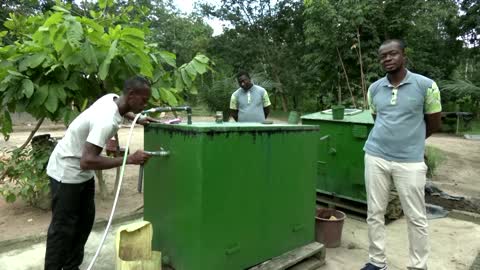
217 96
25 175
433 158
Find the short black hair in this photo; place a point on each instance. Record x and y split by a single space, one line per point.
401 43
241 73
134 83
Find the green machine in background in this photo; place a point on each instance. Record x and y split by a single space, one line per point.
229 195
341 155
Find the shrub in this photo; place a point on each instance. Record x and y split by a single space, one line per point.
24 173
433 158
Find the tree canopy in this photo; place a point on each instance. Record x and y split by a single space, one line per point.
314 50
58 55
60 60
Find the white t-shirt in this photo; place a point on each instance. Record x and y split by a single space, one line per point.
95 125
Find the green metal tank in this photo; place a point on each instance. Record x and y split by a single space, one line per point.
230 195
340 155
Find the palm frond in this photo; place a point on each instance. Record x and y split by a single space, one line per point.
461 87
262 80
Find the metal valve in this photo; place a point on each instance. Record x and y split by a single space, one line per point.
160 153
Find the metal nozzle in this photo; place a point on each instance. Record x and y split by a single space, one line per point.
188 109
161 153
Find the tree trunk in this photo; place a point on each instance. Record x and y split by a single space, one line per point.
39 123
281 92
284 103
362 75
346 78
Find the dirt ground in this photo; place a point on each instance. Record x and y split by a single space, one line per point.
458 174
447 237
20 220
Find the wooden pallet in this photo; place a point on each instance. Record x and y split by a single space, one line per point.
308 257
341 204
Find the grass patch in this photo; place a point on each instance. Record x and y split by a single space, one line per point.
475 127
434 157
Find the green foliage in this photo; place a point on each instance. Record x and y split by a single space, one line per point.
52 64
60 61
462 88
475 127
303 45
349 32
22 7
217 97
470 22
267 37
185 36
6 124
463 93
25 173
433 158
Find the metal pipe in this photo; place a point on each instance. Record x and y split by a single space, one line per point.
161 153
188 109
140 179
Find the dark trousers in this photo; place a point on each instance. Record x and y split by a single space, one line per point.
73 214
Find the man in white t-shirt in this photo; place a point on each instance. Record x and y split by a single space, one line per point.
71 171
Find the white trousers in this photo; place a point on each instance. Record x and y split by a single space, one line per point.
409 180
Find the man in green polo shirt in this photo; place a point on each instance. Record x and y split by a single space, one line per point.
250 103
407 110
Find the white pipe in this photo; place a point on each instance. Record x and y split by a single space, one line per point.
90 266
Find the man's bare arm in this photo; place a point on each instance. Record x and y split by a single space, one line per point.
234 114
92 160
142 120
266 111
433 123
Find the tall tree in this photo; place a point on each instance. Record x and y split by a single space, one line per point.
470 21
25 8
464 87
343 38
60 61
266 36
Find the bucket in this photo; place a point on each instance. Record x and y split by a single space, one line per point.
328 227
338 112
293 117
